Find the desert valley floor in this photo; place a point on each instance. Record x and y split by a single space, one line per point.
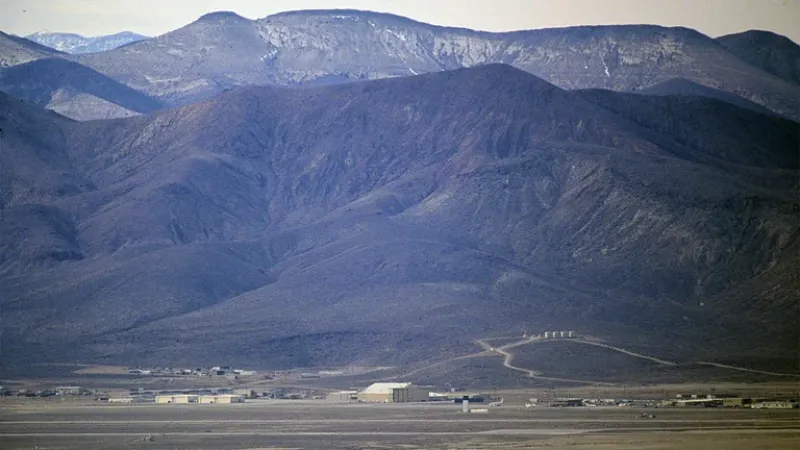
280 424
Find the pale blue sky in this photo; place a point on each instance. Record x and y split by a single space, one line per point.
153 17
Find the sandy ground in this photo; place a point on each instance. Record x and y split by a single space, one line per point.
45 424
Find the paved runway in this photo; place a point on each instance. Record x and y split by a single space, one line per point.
333 426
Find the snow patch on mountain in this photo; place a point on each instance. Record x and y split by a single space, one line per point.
77 44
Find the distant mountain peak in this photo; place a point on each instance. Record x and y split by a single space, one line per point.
760 36
341 13
76 44
221 16
770 52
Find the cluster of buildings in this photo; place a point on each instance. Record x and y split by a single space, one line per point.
202 399
218 395
201 372
321 373
558 334
400 392
375 393
732 401
57 391
697 400
564 402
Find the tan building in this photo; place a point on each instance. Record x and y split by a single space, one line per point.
207 399
178 398
342 396
380 392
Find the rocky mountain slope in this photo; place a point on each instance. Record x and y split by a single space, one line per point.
77 44
73 90
222 50
684 87
16 50
393 221
768 51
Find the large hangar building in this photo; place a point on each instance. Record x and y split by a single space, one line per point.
394 393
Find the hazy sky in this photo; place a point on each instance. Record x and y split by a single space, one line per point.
152 17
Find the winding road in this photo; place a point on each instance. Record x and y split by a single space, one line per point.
744 369
627 352
508 358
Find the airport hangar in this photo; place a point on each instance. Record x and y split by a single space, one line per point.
393 393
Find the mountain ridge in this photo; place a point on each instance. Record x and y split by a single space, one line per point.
329 46
390 213
682 86
769 51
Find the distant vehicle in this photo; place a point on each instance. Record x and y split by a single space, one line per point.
497 404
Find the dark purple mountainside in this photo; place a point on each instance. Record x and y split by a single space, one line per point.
768 51
223 50
74 91
394 221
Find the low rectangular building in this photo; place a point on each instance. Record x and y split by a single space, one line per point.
567 402
736 402
227 398
775 405
342 396
177 399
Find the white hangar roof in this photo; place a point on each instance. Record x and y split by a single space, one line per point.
384 388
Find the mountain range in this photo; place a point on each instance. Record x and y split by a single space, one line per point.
223 50
393 221
344 187
76 44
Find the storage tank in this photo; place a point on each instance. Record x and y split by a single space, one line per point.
562 334
547 335
571 334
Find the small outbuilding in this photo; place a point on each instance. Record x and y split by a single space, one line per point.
342 396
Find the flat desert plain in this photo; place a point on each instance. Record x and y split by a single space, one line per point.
53 424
